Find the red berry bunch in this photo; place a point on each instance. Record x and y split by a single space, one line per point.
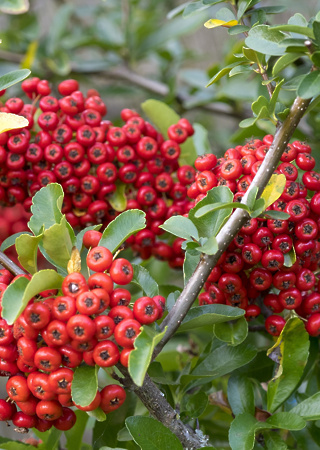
88 322
254 267
68 141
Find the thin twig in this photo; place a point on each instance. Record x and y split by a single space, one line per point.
10 265
231 228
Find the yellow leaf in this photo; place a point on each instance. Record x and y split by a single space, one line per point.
274 189
213 23
30 55
10 121
74 263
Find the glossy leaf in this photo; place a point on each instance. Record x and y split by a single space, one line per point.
118 198
233 332
210 247
84 385
265 40
238 29
292 348
181 226
216 206
309 409
150 434
252 195
310 85
58 243
162 116
241 395
10 241
290 258
194 405
12 299
210 224
18 294
140 357
27 249
274 189
191 260
284 61
74 436
200 316
306 31
200 139
142 278
46 208
316 31
11 78
223 72
123 226
97 414
224 360
258 208
273 441
273 214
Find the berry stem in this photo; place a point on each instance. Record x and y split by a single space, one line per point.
236 221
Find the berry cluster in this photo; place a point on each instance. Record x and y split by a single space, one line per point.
254 267
68 141
88 322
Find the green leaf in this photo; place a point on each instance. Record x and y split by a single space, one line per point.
79 237
46 208
273 441
237 29
293 84
200 316
191 260
162 116
261 104
233 332
74 436
243 5
14 7
315 58
290 258
210 247
140 357
316 32
258 208
181 226
210 224
309 85
150 434
58 243
11 78
200 139
284 61
265 40
252 195
18 294
97 414
123 226
305 31
216 206
84 385
118 198
280 215
59 25
194 405
253 56
223 360
27 249
223 72
244 426
293 347
286 421
241 395
309 409
10 241
142 278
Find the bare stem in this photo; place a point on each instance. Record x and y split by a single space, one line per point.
154 400
231 228
10 265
